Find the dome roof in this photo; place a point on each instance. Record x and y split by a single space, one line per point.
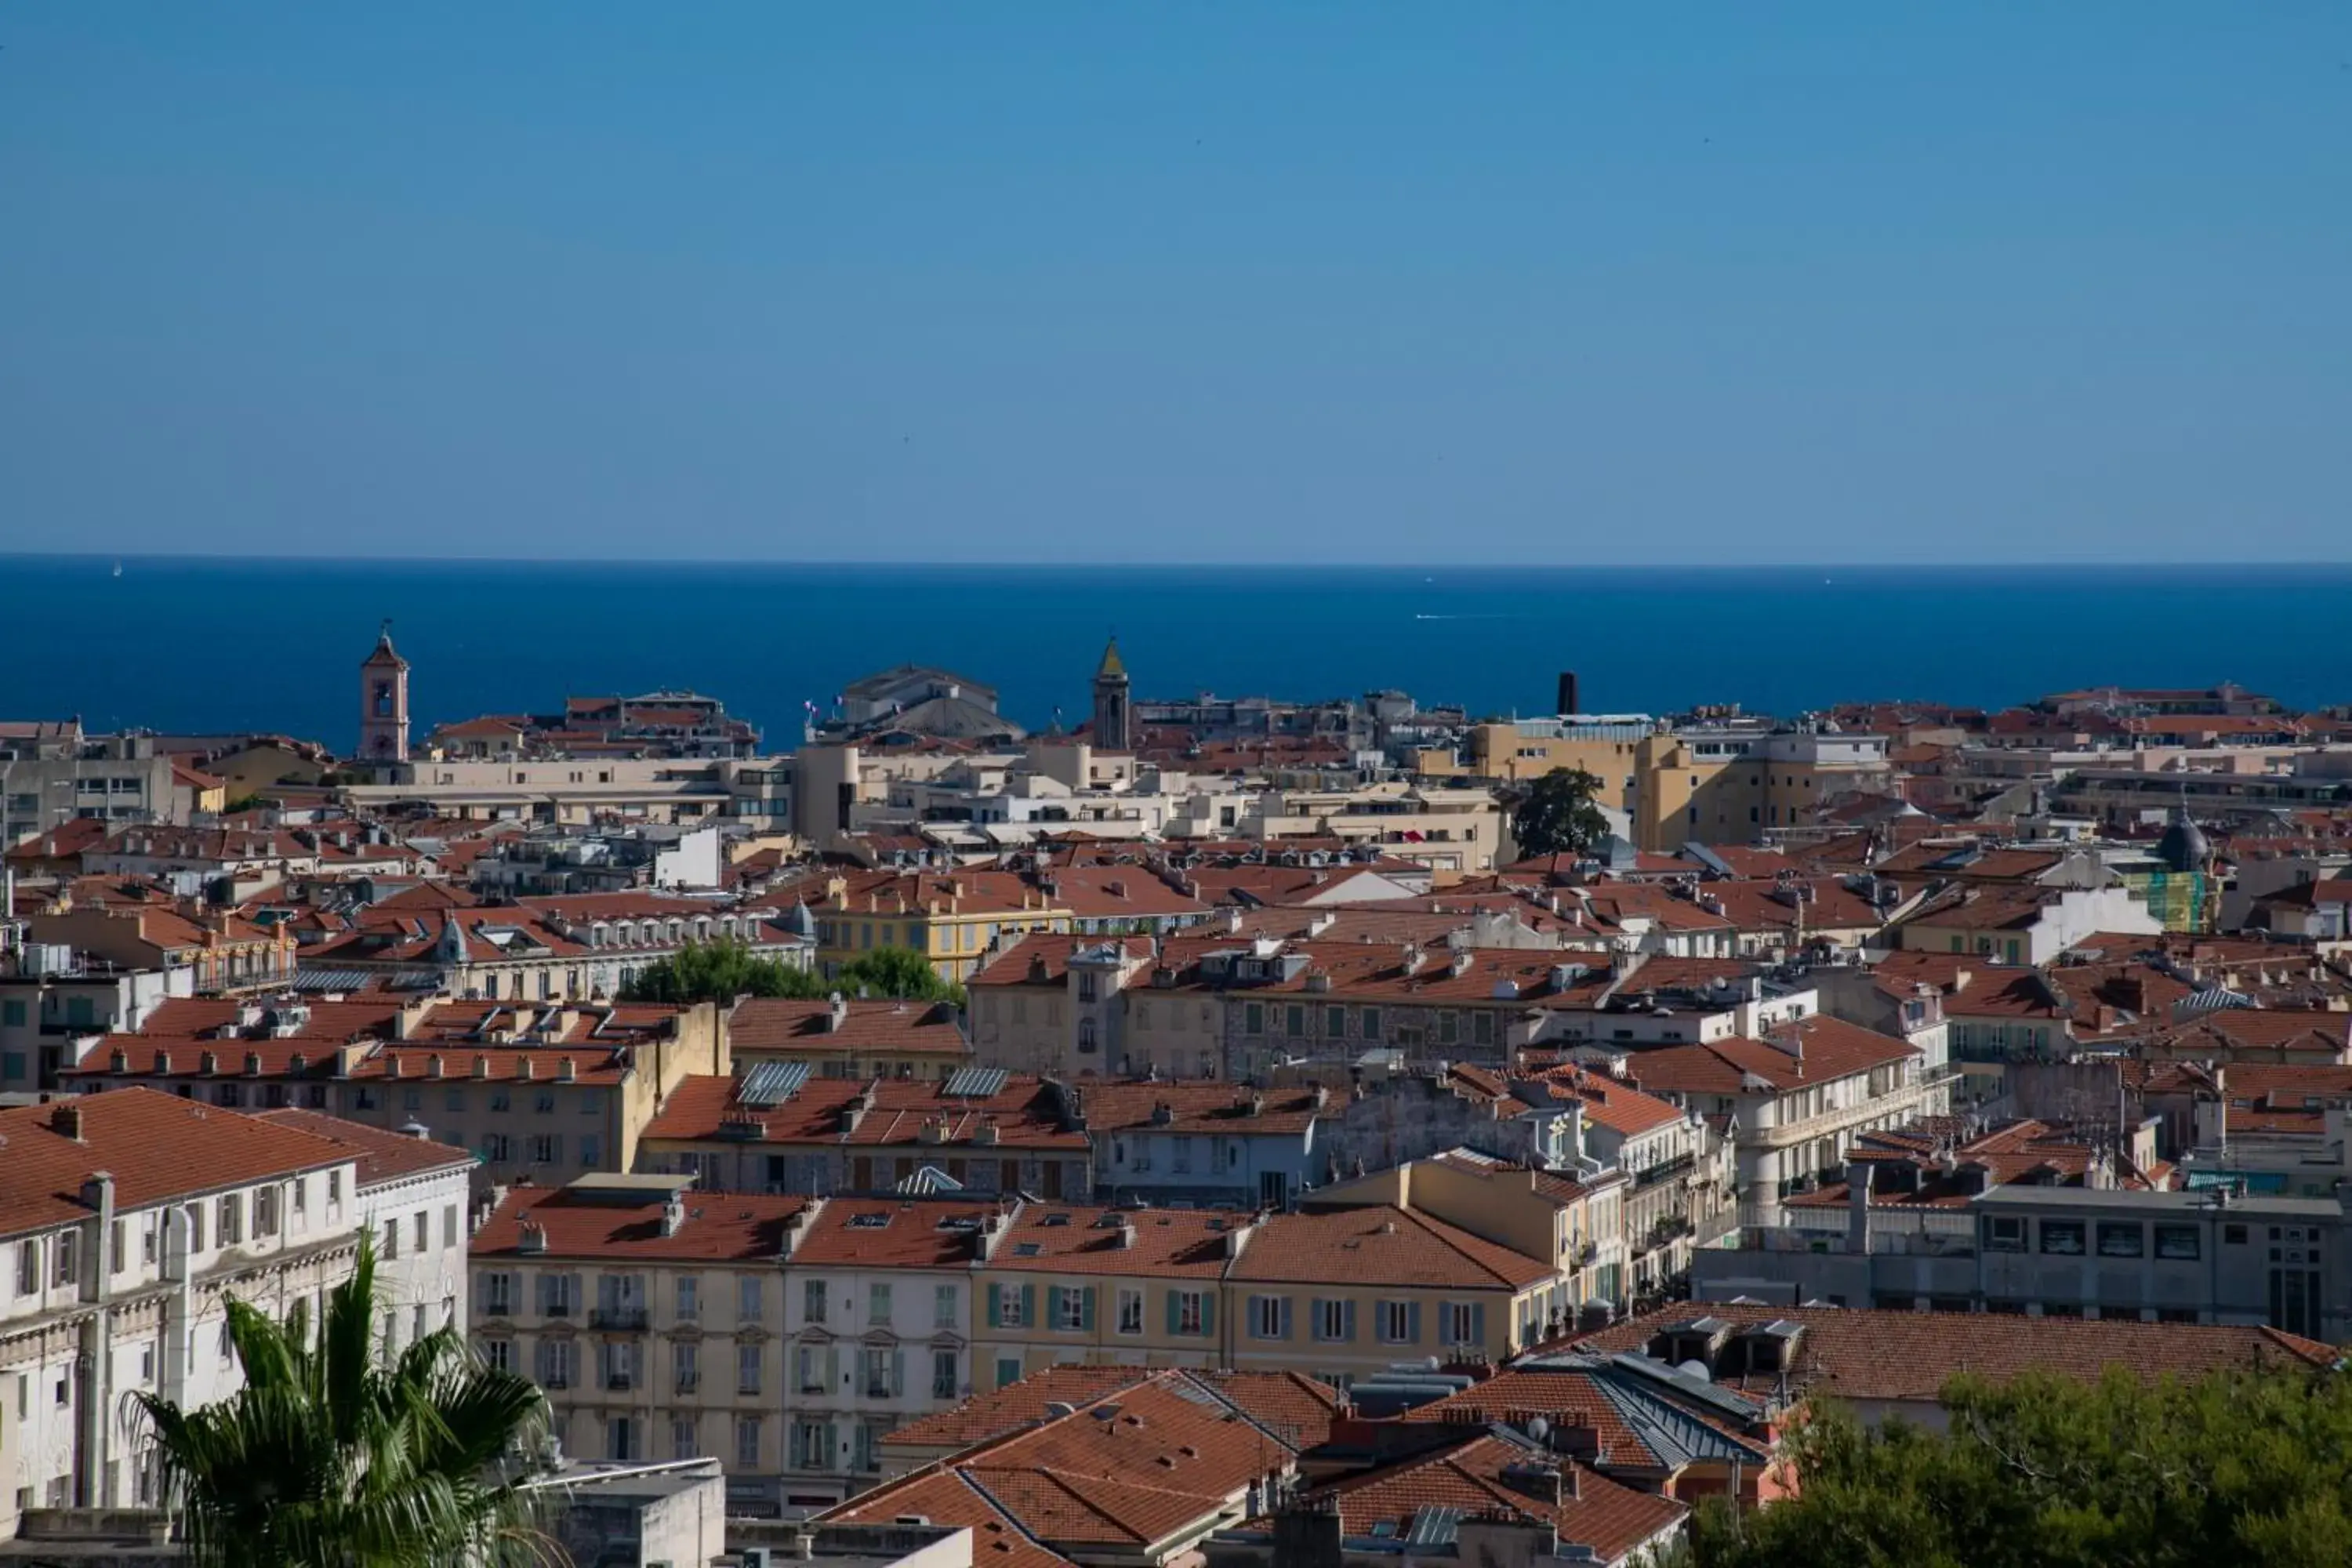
2183 846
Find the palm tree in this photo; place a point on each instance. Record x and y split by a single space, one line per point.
327 1458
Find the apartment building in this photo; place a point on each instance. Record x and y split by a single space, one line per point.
1346 1293
414 1201
653 1316
1123 1287
1733 785
777 1130
52 1000
1208 1145
1572 1224
852 1038
126 1221
1794 1097
878 1331
536 1093
953 919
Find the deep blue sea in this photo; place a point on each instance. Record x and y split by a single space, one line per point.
204 645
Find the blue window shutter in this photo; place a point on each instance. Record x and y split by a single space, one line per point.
995 1308
1413 1324
1348 1322
1478 1323
1087 1309
1175 1311
1028 1306
1286 1317
1315 1318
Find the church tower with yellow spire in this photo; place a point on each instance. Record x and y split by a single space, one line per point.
1114 723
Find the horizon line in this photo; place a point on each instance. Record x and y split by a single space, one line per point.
2065 564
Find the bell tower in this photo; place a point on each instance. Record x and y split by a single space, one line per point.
1113 728
383 704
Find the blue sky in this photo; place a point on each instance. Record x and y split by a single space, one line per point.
1474 285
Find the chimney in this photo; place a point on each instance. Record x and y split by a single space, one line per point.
1567 692
673 1215
64 1120
566 1070
1857 1193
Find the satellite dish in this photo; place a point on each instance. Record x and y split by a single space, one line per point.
1696 1369
1539 1428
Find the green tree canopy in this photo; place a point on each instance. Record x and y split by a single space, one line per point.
898 971
329 1458
2249 1468
1558 816
719 971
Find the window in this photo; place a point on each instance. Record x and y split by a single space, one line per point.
747 1369
686 1365
558 1294
878 1305
1269 1317
497 1148
747 1441
813 1301
1070 1314
1335 1320
943 1307
682 1441
690 1298
28 1267
1398 1324
543 1103
590 1150
1008 1371
1464 1323
388 1247
620 1437
945 1382
812 1446
880 1364
1009 1299
2179 1242
498 1294
265 1212
546 1149
498 1354
1252 1018
232 1219
2062 1236
420 1229
748 1309
2004 1233
1130 1312
2234 1235
1188 1311
812 1379
2121 1239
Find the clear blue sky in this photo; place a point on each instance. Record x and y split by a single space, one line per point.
1339 282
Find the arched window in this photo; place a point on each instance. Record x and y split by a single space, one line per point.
1087 1045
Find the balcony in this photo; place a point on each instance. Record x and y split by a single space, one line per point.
618 1319
620 1382
1665 1171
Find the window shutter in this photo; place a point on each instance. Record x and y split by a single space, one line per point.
995 1309
1315 1318
831 1445
832 1370
1208 1312
898 1372
1054 1306
1286 1317
1175 1311
1087 1309
546 1288
1348 1322
544 1361
1412 1322
1445 1322
1028 1306
1478 1323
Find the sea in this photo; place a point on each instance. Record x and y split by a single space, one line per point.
222 644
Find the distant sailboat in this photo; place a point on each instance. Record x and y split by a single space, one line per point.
118 568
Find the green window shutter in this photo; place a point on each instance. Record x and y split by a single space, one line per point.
1413 1324
995 1307
1054 1306
831 1445
1348 1322
1175 1311
1028 1306
1087 1309
1208 1312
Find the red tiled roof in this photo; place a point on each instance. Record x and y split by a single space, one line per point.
720 1227
156 1146
381 1154
1389 1246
